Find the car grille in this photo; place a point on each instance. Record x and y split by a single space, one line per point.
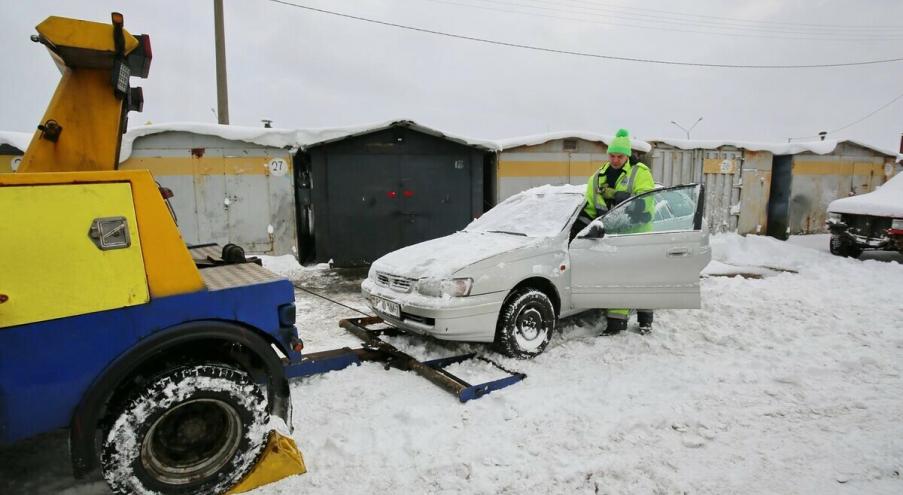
866 225
395 282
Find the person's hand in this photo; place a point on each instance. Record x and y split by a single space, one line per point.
608 193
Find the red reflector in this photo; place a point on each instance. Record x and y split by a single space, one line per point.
563 267
408 194
392 194
298 346
166 192
3 298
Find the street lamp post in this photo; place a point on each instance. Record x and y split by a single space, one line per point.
687 131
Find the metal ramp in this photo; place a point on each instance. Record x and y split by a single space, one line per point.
378 350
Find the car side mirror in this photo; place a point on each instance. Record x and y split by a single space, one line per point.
596 231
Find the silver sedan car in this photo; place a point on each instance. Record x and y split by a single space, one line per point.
512 273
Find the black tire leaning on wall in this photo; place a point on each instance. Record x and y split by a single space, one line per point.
191 429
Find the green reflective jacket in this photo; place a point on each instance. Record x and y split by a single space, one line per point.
634 179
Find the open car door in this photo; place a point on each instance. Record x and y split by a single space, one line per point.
645 253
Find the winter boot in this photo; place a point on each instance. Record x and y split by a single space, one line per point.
645 320
614 325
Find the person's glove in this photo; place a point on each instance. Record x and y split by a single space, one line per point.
637 212
608 193
620 197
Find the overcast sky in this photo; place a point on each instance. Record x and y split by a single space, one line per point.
308 69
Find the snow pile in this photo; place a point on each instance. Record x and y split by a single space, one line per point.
886 201
19 140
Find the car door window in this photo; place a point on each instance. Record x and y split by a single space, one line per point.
661 210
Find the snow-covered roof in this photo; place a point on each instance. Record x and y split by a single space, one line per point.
535 139
817 147
291 138
315 137
886 201
278 138
16 139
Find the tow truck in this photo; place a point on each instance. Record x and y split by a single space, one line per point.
169 364
166 374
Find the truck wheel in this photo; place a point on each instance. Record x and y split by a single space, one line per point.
841 246
196 429
525 324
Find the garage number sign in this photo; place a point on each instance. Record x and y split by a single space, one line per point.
278 167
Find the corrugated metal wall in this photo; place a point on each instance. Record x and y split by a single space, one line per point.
557 162
225 191
719 170
10 157
820 179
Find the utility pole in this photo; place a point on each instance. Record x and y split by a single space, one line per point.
222 91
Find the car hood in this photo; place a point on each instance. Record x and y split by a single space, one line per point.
444 256
886 201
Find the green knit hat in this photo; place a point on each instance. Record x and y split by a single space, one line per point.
621 143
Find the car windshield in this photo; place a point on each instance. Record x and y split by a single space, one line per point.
529 214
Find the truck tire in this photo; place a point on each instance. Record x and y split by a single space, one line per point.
192 429
841 246
526 324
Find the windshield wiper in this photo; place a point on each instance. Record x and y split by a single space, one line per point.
507 232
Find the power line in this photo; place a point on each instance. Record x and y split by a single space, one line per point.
657 25
621 8
633 14
873 112
882 107
586 54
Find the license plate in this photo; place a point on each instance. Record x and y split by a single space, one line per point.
388 307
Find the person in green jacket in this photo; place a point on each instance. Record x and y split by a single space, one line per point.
617 180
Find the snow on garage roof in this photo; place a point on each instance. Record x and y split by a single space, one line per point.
817 147
291 138
315 137
18 140
535 139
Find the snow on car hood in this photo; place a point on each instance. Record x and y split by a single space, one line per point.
886 201
444 256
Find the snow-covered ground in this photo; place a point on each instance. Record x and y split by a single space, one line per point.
788 380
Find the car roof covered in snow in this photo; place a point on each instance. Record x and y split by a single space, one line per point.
886 201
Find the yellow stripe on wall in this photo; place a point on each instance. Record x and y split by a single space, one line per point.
837 168
214 165
546 169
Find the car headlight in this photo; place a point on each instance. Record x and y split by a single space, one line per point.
452 287
833 217
897 224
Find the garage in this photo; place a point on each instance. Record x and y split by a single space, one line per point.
380 188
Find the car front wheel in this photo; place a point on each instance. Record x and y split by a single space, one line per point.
841 246
192 429
525 324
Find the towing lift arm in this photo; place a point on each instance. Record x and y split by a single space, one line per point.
83 125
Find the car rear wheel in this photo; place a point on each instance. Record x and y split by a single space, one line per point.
194 429
841 246
526 323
